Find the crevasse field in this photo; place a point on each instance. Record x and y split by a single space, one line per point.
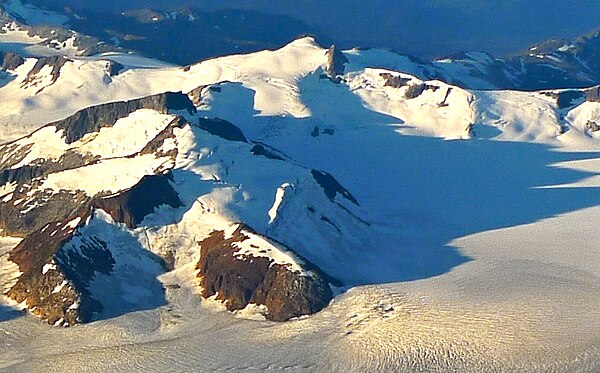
483 252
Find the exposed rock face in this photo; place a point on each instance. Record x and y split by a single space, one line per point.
55 62
567 99
154 146
93 118
19 217
56 273
12 154
415 90
25 209
445 101
21 174
593 94
592 126
10 61
45 285
247 279
24 175
331 186
394 81
335 64
63 257
132 206
56 277
222 128
196 95
114 68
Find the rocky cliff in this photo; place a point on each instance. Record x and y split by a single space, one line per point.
240 278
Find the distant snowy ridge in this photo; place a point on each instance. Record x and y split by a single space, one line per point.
37 32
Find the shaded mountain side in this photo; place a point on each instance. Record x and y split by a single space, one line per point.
10 60
219 33
132 206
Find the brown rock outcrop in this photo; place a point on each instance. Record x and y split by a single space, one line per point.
45 285
239 281
54 281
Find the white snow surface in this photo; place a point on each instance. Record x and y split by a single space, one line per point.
12 33
257 246
107 176
48 267
432 113
278 201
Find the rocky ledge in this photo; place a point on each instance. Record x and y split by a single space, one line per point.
93 118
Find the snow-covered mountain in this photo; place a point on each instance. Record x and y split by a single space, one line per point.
32 31
357 186
79 191
233 180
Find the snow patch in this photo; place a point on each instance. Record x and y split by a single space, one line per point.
253 311
279 195
48 267
256 246
72 224
59 287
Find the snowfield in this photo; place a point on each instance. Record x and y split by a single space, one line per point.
473 246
